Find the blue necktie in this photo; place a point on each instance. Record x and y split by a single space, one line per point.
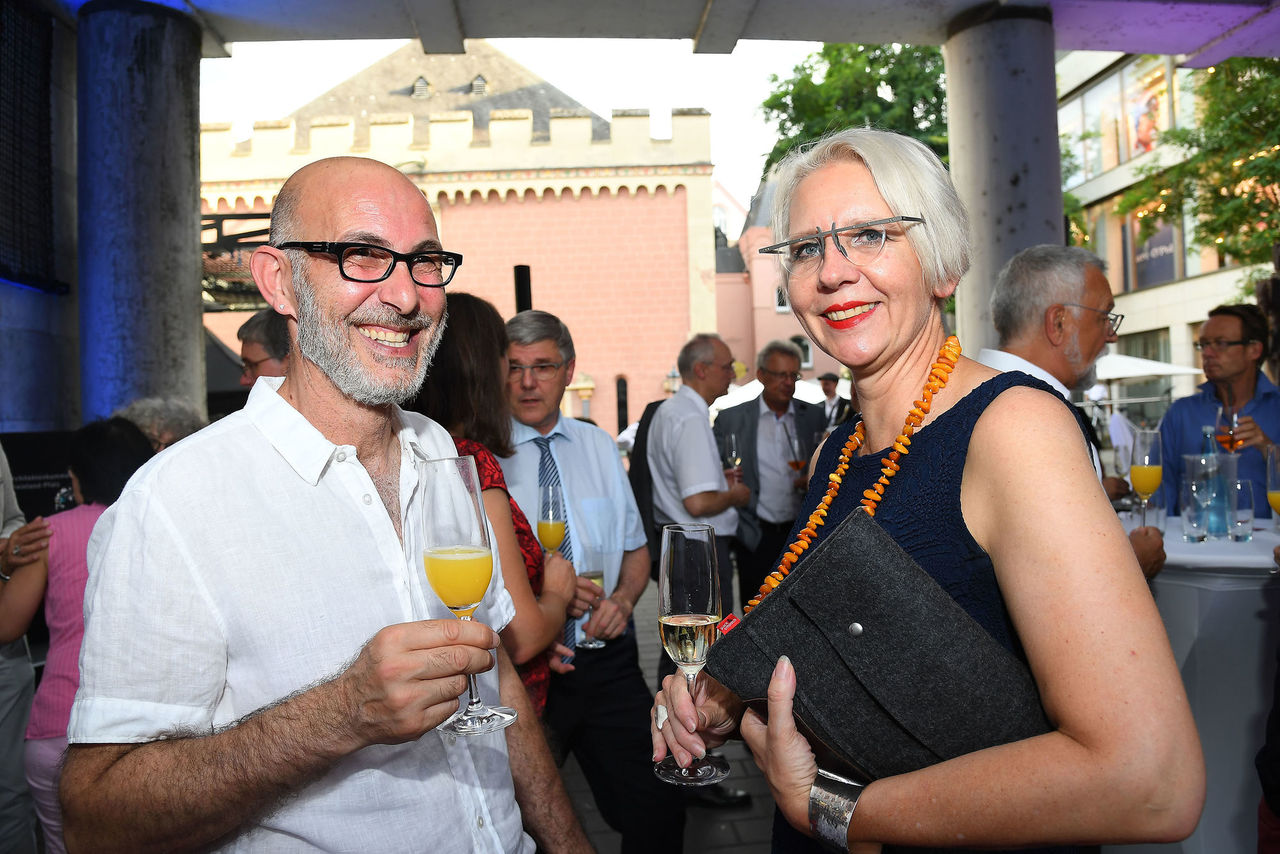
549 475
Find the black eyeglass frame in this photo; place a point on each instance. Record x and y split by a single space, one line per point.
1219 344
548 369
794 376
821 234
339 250
1114 319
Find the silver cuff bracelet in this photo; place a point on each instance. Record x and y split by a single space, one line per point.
832 800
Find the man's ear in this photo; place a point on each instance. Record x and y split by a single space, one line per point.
1055 324
273 274
568 371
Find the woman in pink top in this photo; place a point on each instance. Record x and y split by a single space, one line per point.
104 454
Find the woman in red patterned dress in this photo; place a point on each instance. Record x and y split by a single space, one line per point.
466 393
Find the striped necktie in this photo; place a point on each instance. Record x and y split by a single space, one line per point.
549 475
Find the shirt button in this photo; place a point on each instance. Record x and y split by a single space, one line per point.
342 456
479 821
366 498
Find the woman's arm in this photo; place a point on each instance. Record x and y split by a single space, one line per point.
1123 762
538 621
21 596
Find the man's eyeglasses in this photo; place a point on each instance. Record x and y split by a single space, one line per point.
1219 344
794 376
860 244
364 262
1113 320
542 371
250 366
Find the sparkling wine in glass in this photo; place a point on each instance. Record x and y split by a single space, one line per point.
551 516
732 452
688 612
459 565
1146 468
591 565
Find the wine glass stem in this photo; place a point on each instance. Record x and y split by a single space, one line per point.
473 690
690 679
1144 512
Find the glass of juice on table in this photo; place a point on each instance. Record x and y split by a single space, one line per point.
459 565
1146 467
1273 484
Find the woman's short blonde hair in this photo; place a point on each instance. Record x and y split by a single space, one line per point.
910 178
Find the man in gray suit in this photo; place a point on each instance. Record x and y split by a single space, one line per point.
776 435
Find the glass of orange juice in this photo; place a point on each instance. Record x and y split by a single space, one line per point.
551 516
1146 468
459 565
1273 484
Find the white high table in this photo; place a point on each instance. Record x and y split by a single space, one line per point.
1220 604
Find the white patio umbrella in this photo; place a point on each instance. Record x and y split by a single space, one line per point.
1113 366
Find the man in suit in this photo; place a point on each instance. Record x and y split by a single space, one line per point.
766 429
836 407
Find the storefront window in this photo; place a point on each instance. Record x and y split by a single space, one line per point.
1070 127
1155 260
1183 98
1104 131
1146 94
1108 240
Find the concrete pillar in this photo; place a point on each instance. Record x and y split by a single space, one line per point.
139 205
1002 115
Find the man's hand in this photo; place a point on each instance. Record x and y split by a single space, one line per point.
24 546
739 492
556 655
409 677
1148 546
1250 434
1116 487
608 616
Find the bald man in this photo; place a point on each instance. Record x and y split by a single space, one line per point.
263 664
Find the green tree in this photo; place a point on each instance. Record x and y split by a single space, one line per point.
1230 176
896 87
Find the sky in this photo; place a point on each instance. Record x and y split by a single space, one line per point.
269 80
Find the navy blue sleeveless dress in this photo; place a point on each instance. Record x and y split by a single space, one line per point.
921 511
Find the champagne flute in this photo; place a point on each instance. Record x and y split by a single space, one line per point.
1273 484
459 565
590 565
551 516
1145 467
732 453
797 461
688 612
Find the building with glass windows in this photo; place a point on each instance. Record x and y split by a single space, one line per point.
1112 109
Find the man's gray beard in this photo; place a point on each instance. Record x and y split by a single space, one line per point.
324 342
1089 378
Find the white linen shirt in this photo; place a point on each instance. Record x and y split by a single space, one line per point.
1005 362
684 461
599 506
255 559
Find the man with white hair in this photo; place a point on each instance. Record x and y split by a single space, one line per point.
1054 311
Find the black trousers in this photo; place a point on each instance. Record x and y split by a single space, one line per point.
600 714
754 565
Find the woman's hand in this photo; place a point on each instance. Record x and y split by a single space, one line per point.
688 726
781 751
24 546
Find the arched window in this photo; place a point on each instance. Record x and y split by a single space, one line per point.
620 387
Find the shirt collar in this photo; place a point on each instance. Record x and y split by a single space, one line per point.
302 446
522 433
1004 361
762 408
685 391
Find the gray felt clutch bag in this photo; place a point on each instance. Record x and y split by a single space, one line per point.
892 675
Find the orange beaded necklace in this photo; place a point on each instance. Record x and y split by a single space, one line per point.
939 373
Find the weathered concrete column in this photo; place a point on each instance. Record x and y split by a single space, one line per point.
1002 116
139 205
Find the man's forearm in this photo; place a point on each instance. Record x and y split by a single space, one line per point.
633 577
545 809
184 793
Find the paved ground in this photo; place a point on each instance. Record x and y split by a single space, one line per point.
744 830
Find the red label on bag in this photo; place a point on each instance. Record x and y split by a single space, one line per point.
728 623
